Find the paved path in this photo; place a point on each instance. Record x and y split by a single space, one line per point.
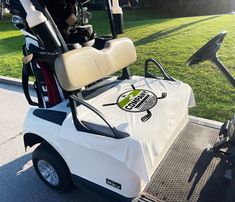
18 180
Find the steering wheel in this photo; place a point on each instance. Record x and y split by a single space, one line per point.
208 51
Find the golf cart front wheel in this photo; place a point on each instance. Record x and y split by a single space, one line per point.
51 168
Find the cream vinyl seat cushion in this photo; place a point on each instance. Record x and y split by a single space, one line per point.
80 67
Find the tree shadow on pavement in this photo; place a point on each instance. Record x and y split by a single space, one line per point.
19 182
10 87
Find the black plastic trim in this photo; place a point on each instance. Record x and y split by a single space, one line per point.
161 68
224 70
31 139
25 84
118 22
99 88
73 99
53 116
99 190
47 36
110 16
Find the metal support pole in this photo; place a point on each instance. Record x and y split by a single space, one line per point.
1 10
224 70
125 73
110 15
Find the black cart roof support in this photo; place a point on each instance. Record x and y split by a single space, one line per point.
110 15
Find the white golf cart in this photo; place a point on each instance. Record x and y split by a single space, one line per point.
129 137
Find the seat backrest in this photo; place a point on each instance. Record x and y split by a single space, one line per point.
81 67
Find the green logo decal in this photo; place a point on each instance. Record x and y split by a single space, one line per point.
137 100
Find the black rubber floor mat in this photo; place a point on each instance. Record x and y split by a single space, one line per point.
189 172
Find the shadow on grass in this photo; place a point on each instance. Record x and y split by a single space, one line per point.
11 44
166 33
132 19
6 25
139 23
137 18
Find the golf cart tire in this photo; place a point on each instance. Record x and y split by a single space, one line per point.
47 153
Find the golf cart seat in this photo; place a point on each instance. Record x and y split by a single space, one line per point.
81 67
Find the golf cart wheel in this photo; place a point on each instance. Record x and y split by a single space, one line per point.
51 168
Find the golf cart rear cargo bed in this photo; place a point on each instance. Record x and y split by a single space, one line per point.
189 172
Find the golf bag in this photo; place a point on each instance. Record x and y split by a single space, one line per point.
38 57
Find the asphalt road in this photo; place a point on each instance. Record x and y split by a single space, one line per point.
18 180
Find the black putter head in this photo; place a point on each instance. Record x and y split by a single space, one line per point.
164 95
147 116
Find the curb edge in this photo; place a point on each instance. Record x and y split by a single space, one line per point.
13 81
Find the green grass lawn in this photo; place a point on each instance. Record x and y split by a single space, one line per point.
172 42
11 42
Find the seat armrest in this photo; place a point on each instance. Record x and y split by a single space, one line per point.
91 127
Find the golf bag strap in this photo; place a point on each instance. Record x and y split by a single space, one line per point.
25 84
